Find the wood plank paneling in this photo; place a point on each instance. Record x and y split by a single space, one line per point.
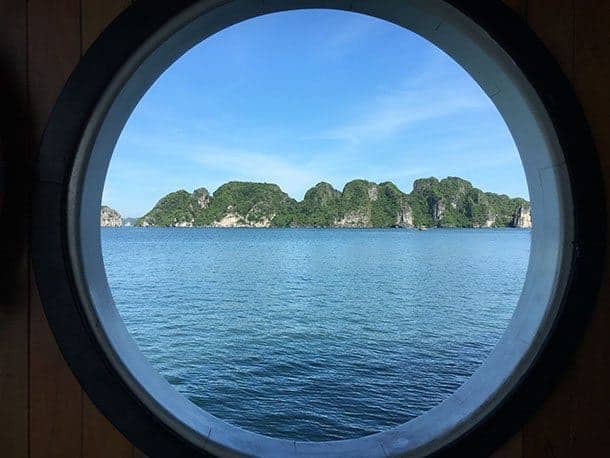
549 434
41 41
590 380
592 63
100 438
574 419
513 448
138 454
556 30
54 48
55 397
14 152
96 15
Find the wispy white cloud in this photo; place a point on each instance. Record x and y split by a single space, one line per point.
393 111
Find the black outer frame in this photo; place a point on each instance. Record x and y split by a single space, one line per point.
74 333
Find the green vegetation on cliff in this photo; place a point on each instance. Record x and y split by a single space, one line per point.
451 202
251 203
175 208
320 207
454 202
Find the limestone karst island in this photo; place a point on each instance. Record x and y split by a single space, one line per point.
451 202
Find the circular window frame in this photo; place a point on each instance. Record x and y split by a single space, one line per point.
562 170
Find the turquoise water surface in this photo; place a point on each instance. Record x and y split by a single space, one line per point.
316 334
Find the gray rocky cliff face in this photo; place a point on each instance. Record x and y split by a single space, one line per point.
522 217
490 221
404 218
110 217
237 220
438 210
373 192
202 197
183 224
354 219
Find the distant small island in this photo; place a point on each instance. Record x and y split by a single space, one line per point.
450 202
109 217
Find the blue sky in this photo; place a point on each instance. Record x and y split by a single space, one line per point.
300 97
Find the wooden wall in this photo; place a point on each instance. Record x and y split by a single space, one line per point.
44 412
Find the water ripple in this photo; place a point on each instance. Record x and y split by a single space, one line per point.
316 334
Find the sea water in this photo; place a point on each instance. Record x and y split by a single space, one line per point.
316 334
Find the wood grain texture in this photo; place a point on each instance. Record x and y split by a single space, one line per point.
548 433
14 153
138 454
54 47
55 396
556 30
40 43
592 62
96 15
591 378
513 448
574 419
100 438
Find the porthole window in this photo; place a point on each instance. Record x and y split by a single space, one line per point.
358 307
323 260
